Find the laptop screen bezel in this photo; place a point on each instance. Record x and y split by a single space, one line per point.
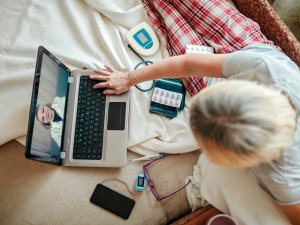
33 104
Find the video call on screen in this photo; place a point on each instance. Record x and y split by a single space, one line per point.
50 109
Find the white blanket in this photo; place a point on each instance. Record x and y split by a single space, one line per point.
88 34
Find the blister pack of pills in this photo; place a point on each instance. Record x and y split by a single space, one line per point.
166 97
199 49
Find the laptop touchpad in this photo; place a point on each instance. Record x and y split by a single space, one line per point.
116 116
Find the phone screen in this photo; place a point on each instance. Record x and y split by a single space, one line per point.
112 201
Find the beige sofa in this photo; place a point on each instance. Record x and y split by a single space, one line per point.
37 193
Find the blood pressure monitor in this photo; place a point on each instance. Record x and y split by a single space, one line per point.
143 39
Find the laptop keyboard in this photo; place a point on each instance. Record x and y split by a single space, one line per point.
89 121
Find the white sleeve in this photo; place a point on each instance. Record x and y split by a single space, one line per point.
281 177
59 105
56 132
247 65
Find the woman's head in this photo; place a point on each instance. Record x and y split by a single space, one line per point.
240 123
44 114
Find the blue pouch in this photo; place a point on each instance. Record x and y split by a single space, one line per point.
168 97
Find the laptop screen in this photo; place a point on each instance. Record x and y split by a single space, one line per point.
48 109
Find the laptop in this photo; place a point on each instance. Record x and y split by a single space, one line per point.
72 124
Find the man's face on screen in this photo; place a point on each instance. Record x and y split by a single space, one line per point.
45 114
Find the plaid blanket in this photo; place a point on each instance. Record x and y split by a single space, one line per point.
213 23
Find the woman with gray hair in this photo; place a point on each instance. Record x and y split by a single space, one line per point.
249 120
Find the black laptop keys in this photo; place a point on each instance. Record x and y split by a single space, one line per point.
89 121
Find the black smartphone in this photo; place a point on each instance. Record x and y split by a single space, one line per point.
112 201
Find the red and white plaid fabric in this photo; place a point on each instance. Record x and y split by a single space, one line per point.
212 23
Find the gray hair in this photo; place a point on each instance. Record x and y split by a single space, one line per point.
243 117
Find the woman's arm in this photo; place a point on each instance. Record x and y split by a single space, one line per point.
116 82
292 212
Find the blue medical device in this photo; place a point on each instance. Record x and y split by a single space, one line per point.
143 39
140 182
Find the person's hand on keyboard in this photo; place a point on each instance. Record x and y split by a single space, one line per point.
114 81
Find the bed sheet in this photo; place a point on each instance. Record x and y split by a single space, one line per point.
81 34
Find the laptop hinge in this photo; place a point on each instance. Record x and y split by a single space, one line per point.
70 79
62 155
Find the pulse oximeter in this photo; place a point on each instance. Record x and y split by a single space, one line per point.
140 183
